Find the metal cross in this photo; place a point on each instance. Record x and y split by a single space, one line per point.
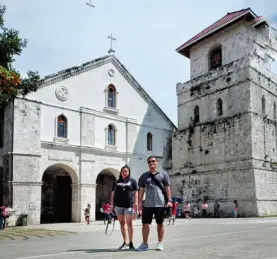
90 4
111 50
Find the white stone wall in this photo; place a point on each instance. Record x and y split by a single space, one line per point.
230 84
236 41
84 154
230 157
222 185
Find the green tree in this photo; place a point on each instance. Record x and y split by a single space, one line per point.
11 82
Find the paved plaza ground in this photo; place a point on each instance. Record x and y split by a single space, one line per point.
200 238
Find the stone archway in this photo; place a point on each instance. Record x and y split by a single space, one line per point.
56 194
104 183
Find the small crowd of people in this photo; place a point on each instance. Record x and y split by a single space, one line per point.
201 211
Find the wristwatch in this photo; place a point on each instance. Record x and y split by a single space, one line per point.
170 200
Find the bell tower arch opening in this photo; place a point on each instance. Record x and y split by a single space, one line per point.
104 184
56 194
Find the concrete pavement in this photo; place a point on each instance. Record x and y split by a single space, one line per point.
199 238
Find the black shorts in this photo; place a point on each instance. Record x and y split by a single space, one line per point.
148 212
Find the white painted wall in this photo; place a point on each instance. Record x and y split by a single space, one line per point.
87 91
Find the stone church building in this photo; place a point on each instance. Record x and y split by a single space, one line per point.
63 146
226 145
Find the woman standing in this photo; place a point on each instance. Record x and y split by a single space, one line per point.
187 210
124 198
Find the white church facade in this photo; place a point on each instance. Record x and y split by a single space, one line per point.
63 145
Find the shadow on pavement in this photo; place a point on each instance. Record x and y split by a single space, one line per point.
104 250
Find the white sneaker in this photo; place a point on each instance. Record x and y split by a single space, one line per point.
159 247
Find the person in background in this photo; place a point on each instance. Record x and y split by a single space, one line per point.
187 210
235 209
216 209
204 207
174 212
107 210
87 213
179 211
3 214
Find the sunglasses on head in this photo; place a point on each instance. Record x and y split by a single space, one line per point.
151 161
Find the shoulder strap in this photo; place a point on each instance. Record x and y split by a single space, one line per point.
160 185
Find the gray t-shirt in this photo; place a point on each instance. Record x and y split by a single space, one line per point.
153 194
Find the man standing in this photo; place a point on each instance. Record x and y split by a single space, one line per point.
155 186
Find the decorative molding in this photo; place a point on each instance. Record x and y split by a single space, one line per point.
61 140
100 151
98 114
111 72
76 70
57 158
26 183
107 116
111 164
88 160
111 147
21 154
93 185
111 110
62 93
83 185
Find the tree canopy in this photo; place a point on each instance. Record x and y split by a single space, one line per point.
11 82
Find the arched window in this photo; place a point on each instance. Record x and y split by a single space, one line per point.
215 57
196 114
111 135
149 142
62 126
111 96
263 105
274 111
219 107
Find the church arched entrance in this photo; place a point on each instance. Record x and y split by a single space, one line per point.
104 183
56 194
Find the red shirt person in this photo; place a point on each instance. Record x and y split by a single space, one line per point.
107 208
174 208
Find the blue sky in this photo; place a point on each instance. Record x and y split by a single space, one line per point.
65 33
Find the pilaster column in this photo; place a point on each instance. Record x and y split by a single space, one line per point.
83 194
27 200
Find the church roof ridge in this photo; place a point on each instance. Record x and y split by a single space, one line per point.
87 66
226 20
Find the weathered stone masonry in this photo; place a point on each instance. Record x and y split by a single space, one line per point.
230 156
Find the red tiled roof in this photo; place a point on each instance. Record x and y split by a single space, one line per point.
257 20
229 17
